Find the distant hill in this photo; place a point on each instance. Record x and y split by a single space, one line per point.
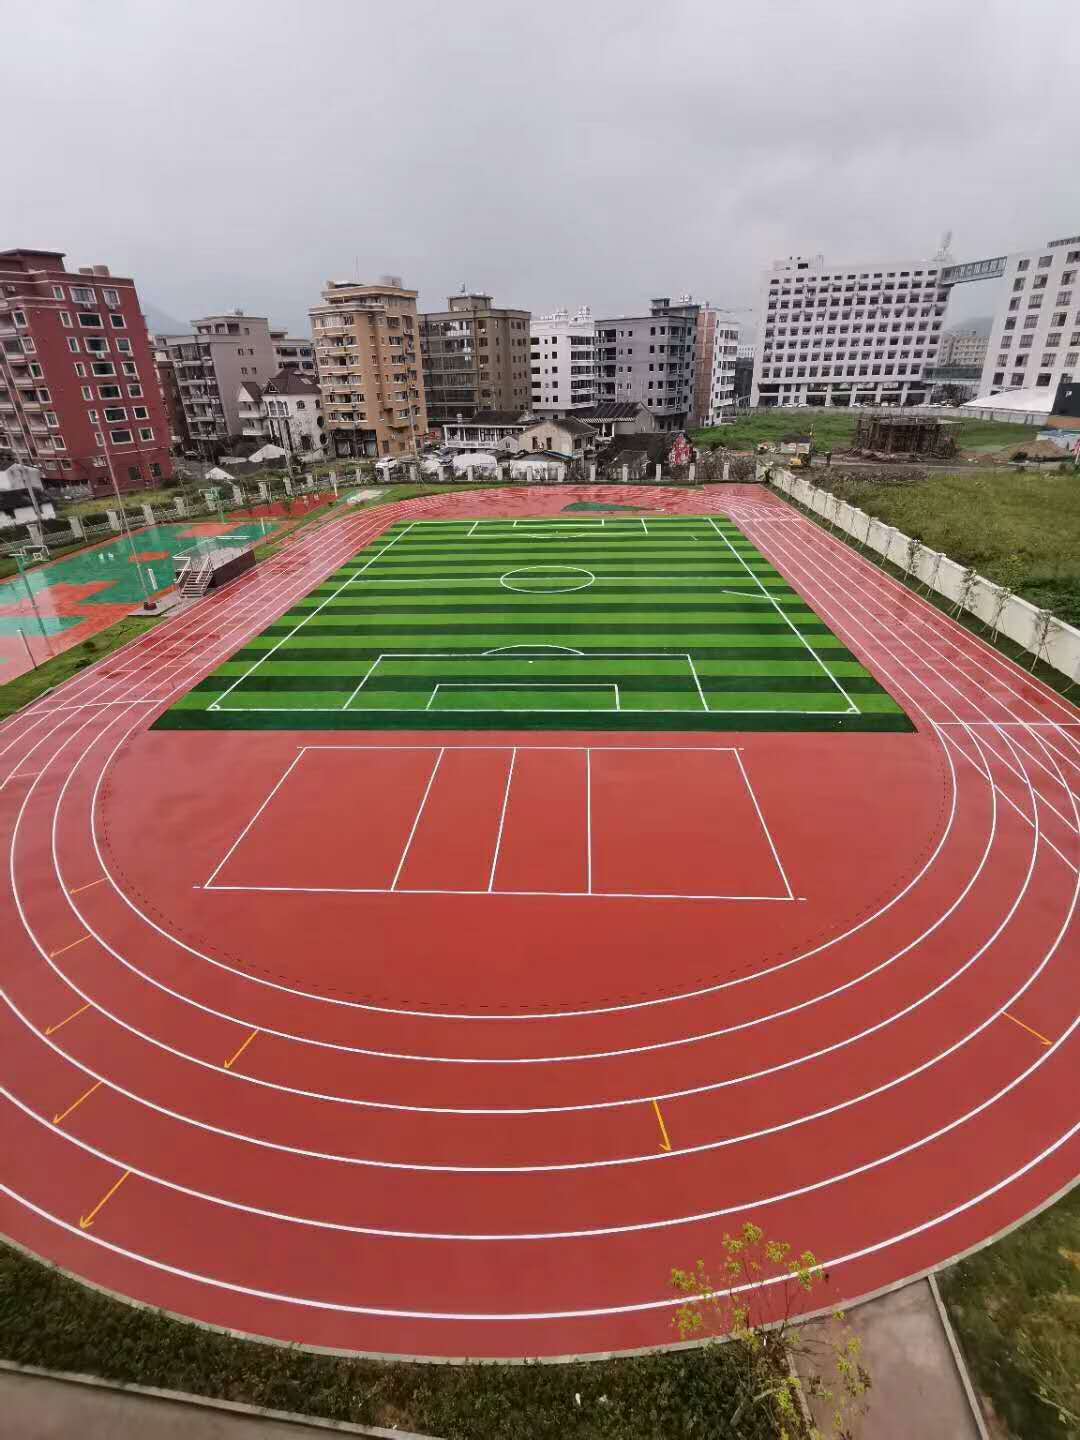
159 323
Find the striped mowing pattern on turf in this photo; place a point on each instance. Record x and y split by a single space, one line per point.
632 623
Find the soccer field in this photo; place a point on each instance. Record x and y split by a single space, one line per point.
568 622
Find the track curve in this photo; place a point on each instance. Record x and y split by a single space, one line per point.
423 1123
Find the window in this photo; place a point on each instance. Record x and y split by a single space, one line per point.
36 371
124 346
117 322
29 348
1044 378
140 412
82 295
65 319
155 470
121 437
130 368
97 346
110 392
57 292
90 320
59 442
103 367
87 393
111 297
51 420
135 391
148 434
1045 261
73 345
80 369
115 415
1072 358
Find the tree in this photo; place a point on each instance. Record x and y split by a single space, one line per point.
754 1306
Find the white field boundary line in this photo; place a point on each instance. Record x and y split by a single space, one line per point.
542 653
816 569
823 566
300 623
941 634
967 645
439 751
520 685
852 707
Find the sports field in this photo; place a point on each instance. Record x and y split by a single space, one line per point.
618 623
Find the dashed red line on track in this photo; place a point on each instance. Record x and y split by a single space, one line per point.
377 1063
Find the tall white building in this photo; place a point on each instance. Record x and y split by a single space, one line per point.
725 350
1035 340
563 368
848 334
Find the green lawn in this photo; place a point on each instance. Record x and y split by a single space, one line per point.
1017 527
1016 1310
834 429
620 623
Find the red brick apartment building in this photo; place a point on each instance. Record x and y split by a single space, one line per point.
79 393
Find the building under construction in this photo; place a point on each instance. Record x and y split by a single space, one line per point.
905 435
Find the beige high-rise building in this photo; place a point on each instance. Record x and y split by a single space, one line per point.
476 357
369 368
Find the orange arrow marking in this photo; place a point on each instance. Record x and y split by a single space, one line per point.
88 886
52 1029
85 1221
1028 1028
665 1143
84 1096
54 953
233 1058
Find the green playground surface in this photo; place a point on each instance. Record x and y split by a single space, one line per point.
568 622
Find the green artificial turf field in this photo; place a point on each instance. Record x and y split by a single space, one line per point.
570 622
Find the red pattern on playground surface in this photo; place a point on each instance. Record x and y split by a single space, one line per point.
422 1123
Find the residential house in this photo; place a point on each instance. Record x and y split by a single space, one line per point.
493 430
564 439
292 413
476 357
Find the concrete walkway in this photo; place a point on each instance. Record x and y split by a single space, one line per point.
35 1407
916 1385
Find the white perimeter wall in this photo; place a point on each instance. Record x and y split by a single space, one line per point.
1008 614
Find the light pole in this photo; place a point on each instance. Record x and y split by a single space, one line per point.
20 565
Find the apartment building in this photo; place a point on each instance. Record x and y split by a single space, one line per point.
210 365
963 346
563 361
476 357
712 371
1035 340
848 334
79 395
650 358
372 383
721 362
294 352
169 382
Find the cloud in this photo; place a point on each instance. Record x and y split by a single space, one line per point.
556 154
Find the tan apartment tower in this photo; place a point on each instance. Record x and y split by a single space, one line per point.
369 368
476 357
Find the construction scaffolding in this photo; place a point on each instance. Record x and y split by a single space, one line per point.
905 435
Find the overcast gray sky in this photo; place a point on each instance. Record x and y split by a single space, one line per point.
599 152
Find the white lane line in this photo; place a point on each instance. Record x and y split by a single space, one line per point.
588 823
666 1303
416 819
765 828
208 884
502 820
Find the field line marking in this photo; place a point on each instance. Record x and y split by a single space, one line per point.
416 817
697 682
853 708
288 771
502 820
321 606
588 822
761 822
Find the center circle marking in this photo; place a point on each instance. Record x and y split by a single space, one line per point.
546 577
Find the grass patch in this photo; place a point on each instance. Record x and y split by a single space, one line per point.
1016 1309
834 429
1019 528
49 1320
25 688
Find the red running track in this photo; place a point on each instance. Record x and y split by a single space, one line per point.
395 1094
